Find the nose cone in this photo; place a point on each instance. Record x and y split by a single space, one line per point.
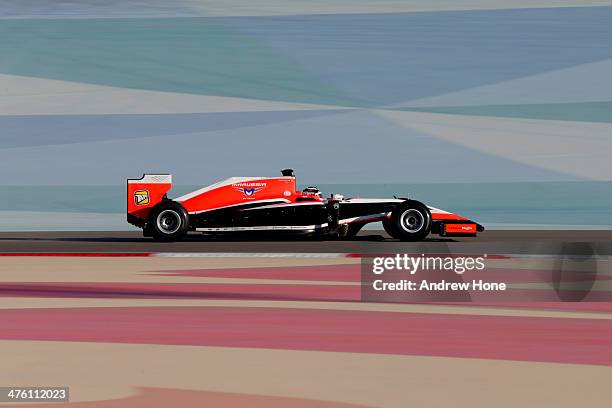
449 224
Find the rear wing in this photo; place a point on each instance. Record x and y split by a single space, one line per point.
143 194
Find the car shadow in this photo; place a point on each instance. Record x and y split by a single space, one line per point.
217 238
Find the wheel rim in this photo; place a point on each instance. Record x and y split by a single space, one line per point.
168 221
412 221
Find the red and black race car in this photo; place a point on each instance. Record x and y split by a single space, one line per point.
272 204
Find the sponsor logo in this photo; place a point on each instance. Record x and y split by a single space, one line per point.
287 193
141 197
460 228
249 189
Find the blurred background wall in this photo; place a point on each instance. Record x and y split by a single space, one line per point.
498 110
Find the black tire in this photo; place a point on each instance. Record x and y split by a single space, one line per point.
389 228
410 221
168 221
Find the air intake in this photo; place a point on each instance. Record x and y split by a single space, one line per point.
287 173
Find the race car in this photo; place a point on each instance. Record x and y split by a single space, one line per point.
274 204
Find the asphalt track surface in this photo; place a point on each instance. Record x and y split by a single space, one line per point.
529 242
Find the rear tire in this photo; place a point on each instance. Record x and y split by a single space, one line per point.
168 221
410 221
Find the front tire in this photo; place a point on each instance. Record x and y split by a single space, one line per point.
410 221
168 221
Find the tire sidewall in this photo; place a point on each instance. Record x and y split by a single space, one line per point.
163 207
399 212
